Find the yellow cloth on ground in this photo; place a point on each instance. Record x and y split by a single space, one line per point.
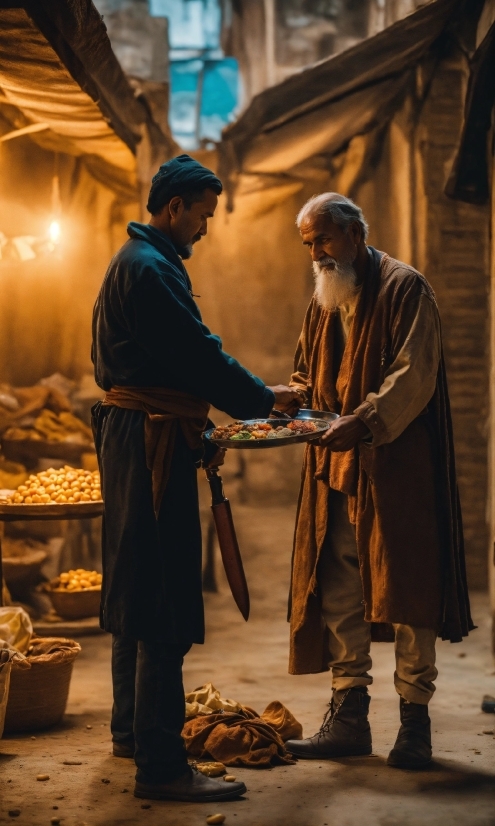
206 700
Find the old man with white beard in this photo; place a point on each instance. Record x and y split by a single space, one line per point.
378 549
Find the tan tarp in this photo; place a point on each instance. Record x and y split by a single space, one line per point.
60 77
320 109
34 80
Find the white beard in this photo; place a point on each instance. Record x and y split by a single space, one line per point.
334 287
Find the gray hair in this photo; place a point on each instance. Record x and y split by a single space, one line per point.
341 210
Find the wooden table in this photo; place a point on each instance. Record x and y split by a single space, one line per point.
15 513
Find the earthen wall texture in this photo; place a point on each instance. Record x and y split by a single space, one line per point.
457 265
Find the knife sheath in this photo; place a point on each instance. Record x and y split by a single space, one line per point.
227 540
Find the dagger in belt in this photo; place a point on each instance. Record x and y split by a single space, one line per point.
227 540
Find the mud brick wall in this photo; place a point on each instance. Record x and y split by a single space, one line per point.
457 265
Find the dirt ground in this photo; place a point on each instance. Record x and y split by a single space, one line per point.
248 662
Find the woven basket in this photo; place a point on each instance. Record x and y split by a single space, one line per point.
21 573
74 605
38 695
5 669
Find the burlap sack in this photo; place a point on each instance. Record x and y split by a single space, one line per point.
52 650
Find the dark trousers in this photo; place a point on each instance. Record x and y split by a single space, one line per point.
149 706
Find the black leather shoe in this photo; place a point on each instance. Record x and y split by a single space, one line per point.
412 748
345 731
191 787
121 750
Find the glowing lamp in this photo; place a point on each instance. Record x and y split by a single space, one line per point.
54 232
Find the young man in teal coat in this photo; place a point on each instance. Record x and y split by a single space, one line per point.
161 367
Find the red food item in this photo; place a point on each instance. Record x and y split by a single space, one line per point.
302 427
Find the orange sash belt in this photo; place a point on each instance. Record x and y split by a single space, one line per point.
165 409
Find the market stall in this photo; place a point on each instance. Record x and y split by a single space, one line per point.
77 141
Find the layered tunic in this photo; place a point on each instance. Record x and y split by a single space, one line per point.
401 482
409 382
148 333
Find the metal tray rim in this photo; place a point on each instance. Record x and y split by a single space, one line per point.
263 444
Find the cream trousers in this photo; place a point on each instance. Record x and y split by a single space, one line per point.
341 593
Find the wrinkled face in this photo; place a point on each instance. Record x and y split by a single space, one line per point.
333 251
187 226
328 243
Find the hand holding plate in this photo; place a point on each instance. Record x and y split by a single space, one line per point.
344 434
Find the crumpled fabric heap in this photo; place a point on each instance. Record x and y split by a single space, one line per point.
240 737
283 721
206 700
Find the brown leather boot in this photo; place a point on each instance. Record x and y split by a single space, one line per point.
345 731
412 748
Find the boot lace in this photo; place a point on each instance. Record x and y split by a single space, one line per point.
330 716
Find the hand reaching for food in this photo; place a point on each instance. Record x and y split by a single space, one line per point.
287 399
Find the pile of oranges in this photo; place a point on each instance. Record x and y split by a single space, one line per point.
65 486
78 580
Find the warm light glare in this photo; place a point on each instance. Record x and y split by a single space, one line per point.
54 232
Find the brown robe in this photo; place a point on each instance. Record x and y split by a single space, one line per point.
402 495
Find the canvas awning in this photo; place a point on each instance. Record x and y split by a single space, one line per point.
320 109
61 82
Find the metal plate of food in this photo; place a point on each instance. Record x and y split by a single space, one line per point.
304 413
263 433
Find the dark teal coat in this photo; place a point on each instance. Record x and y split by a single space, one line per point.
148 332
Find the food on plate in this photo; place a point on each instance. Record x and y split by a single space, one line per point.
65 486
256 430
77 580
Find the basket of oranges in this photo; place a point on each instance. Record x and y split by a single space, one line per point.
76 594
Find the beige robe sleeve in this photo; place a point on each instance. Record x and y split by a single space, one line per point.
410 380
